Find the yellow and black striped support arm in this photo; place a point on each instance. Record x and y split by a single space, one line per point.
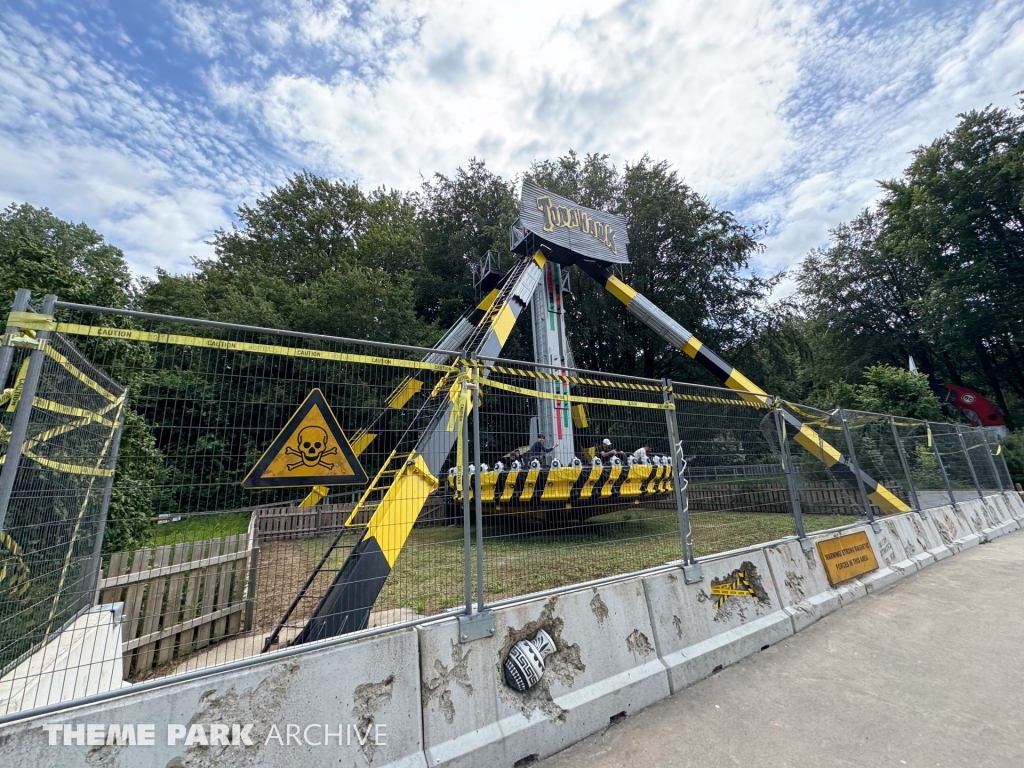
410 386
346 605
658 321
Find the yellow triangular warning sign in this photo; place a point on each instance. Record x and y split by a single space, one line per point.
311 450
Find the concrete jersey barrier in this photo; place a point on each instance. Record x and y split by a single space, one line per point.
701 628
605 664
417 697
364 695
803 586
953 527
1015 503
1002 513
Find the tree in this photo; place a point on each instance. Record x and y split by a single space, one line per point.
899 392
45 254
138 487
1013 450
958 212
934 270
314 255
864 299
461 218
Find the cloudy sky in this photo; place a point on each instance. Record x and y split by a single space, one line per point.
153 121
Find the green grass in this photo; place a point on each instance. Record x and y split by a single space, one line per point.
428 576
198 528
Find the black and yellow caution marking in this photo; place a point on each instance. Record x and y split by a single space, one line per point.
738 587
527 373
310 450
522 488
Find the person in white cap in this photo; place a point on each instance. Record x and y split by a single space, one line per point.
606 451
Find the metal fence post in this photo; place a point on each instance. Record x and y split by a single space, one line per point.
791 484
970 464
478 625
108 487
911 489
478 501
692 572
21 303
856 470
942 466
991 459
467 564
23 411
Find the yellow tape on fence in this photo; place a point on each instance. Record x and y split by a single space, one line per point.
570 398
71 368
63 429
821 420
127 334
527 373
60 466
721 401
31 321
67 410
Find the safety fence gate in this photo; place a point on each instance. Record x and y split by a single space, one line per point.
276 487
59 433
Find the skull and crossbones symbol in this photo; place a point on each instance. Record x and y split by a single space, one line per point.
312 442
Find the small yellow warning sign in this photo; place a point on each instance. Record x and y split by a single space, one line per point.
311 449
847 556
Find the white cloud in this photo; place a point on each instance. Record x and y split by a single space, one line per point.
887 92
699 84
80 138
785 111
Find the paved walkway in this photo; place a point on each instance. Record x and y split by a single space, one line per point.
929 673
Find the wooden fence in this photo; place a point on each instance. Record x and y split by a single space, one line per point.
819 498
282 523
179 598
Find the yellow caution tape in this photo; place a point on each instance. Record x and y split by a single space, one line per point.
127 334
67 410
60 466
720 401
571 398
31 321
527 373
71 368
63 429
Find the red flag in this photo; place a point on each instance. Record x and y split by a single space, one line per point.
978 409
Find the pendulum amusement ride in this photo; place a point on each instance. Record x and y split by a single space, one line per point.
551 235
